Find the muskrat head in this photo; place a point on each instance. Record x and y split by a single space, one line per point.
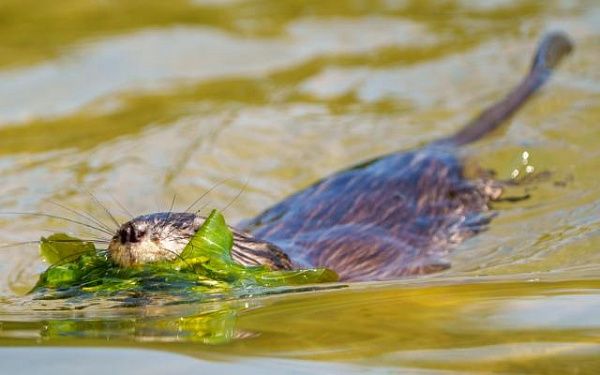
154 237
164 235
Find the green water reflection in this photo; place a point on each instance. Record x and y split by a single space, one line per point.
492 326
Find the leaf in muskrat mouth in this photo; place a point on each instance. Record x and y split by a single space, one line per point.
213 241
205 266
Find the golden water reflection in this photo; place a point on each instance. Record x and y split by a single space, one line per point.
139 101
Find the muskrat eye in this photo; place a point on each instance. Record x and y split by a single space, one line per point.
129 233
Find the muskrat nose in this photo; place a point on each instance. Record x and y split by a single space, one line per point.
129 233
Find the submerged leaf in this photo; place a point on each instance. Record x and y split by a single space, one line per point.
297 277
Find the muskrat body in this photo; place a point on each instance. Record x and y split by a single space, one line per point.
367 223
396 215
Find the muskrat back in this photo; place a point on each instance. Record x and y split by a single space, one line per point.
396 215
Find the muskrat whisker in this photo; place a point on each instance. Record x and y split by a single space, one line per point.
100 239
88 237
206 193
201 208
106 210
82 215
172 203
169 213
72 257
94 238
243 188
122 207
171 207
42 214
79 240
15 244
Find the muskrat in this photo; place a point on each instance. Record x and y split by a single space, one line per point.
393 216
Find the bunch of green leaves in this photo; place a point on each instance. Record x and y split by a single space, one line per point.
205 266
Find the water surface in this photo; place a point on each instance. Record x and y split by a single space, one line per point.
139 101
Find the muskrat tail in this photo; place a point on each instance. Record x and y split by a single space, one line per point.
553 47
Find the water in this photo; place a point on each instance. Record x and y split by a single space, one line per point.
138 102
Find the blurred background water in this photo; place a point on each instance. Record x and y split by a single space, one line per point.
138 101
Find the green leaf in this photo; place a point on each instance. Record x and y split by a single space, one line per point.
213 240
205 266
60 247
61 275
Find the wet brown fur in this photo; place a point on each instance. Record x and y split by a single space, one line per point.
367 223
